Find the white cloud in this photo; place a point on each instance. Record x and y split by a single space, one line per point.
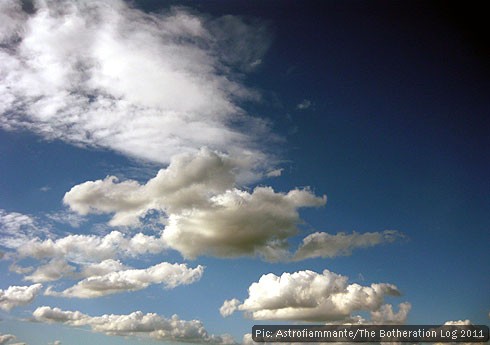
206 213
170 275
5 338
92 248
148 86
83 256
310 296
50 271
186 183
16 296
385 314
102 268
229 307
324 245
135 324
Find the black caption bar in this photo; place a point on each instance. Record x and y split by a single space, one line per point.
370 333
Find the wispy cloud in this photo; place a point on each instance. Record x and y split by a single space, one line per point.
17 228
324 245
134 324
311 296
145 85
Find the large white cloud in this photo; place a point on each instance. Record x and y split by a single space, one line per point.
170 275
136 324
311 296
205 212
15 296
146 85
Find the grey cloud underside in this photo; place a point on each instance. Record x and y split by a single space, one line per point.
145 85
134 324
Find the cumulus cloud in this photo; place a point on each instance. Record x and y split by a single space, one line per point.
146 85
229 307
16 296
135 324
205 212
385 314
310 296
324 245
170 275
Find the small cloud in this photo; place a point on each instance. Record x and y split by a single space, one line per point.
45 188
255 63
229 307
275 173
305 104
66 217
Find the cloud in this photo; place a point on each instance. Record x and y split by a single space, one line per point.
5 338
186 183
134 324
82 256
205 212
305 104
92 248
229 307
324 245
310 296
17 228
275 173
146 85
52 270
65 217
16 296
102 268
385 314
170 275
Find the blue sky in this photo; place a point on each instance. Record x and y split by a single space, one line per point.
179 172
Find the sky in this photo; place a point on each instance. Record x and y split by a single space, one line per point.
177 172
